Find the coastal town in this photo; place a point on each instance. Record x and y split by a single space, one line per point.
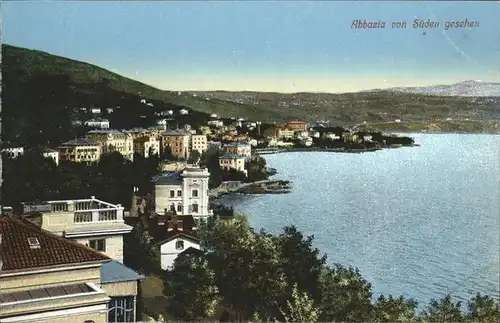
71 234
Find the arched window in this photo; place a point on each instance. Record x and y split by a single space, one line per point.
121 309
195 207
172 207
179 207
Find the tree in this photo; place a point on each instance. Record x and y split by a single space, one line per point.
256 169
191 288
444 310
194 157
300 308
139 252
394 309
346 296
301 262
483 309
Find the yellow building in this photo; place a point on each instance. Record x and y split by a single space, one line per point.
178 141
199 143
147 145
233 161
114 140
281 132
80 150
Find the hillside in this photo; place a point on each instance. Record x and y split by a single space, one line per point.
370 106
42 94
466 88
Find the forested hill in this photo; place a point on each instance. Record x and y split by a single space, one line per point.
42 94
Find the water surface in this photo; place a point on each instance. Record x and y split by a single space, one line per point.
417 221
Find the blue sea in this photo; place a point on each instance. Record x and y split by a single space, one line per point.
417 221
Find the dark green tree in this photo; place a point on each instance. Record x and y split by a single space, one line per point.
444 310
140 253
191 289
302 262
483 309
346 295
389 309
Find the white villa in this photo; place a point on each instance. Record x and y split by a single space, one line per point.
51 153
183 192
13 152
98 123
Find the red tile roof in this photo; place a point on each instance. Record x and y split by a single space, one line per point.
16 253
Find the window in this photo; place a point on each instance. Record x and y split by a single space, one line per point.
172 193
195 208
179 245
195 193
172 207
179 207
179 193
121 309
99 244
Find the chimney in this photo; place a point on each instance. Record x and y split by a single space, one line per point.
170 226
180 226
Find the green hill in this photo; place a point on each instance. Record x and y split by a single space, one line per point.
43 94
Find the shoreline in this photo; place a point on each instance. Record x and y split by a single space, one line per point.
268 151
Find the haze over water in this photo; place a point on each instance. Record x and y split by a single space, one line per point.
420 222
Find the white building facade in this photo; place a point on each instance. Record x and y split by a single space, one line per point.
52 154
175 245
98 123
13 152
184 192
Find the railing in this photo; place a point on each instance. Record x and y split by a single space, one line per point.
97 216
60 207
83 217
107 215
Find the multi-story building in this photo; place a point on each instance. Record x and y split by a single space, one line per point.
52 154
147 145
238 148
114 140
91 222
199 143
46 278
233 161
298 125
183 192
178 142
80 150
13 152
280 132
98 123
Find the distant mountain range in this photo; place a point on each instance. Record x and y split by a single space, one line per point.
466 89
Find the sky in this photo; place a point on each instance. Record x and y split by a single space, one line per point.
283 46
